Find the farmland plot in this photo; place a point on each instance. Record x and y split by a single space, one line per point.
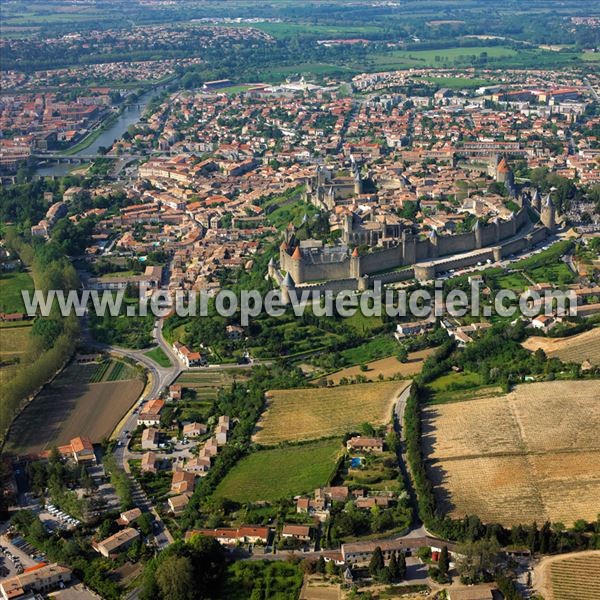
575 578
311 413
73 405
533 454
576 348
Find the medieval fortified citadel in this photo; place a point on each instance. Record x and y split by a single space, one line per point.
377 245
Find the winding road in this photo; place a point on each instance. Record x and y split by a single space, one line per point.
159 378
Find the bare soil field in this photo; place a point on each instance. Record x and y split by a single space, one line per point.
533 454
577 348
316 587
72 406
574 576
311 413
386 367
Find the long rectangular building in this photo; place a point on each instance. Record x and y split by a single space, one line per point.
360 553
39 579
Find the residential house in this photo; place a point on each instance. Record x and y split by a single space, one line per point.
337 493
220 436
150 413
364 444
199 466
296 532
112 546
372 501
129 516
210 448
415 328
83 450
182 481
194 429
188 357
177 504
148 463
175 392
234 332
543 322
150 437
229 536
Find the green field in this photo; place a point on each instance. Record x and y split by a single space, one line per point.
11 285
14 346
452 386
510 281
380 347
399 59
458 83
158 355
280 472
557 273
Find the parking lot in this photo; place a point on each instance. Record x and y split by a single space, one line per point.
15 556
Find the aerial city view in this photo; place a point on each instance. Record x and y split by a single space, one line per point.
300 300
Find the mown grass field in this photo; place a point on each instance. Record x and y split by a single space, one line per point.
159 356
11 285
280 472
431 58
576 348
575 578
311 413
72 406
380 347
458 83
14 345
533 454
385 367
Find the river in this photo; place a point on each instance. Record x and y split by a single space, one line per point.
131 114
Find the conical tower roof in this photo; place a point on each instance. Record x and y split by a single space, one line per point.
503 166
288 281
297 254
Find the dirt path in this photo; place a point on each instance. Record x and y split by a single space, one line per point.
542 582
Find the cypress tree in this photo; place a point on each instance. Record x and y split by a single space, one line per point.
377 563
401 565
444 562
393 567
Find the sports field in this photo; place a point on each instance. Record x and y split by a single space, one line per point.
533 454
310 413
72 405
280 472
577 348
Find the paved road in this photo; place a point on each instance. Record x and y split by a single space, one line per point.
159 378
